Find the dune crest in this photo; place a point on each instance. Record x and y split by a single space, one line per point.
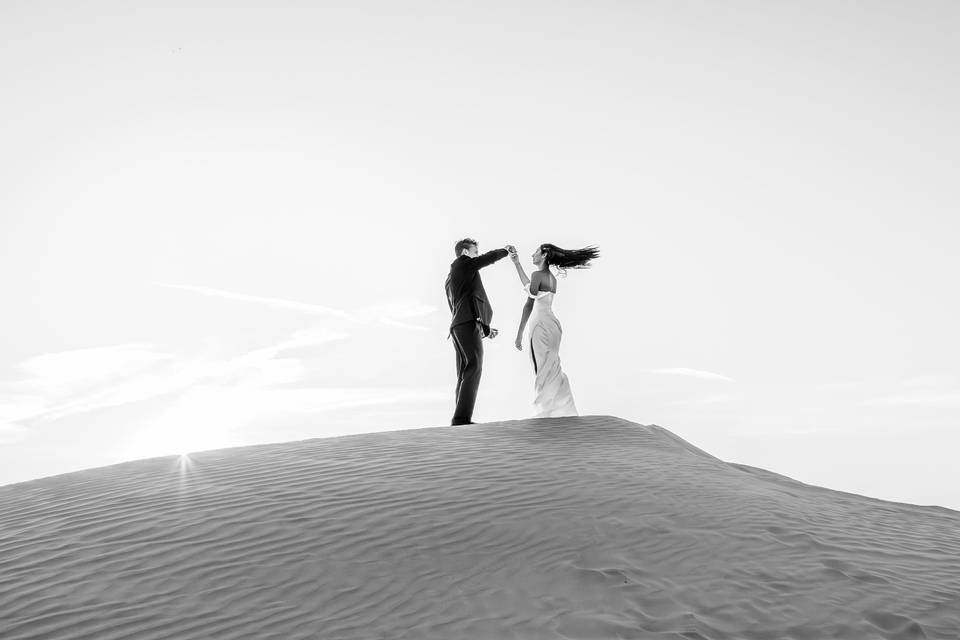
589 527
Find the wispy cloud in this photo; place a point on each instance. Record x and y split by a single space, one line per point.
206 400
65 382
709 399
210 401
277 303
928 397
302 338
391 313
887 386
403 325
395 314
696 373
65 369
12 432
780 430
72 382
14 407
399 310
931 391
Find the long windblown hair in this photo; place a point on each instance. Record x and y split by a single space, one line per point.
564 259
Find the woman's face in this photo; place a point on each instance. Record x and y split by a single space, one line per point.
537 256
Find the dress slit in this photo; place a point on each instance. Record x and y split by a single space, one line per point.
533 355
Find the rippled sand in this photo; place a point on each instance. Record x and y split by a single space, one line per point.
590 527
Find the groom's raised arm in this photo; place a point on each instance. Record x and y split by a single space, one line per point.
488 258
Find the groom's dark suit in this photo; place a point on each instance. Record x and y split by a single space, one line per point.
472 314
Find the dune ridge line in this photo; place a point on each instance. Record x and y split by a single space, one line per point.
586 527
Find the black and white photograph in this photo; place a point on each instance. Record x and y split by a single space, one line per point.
480 320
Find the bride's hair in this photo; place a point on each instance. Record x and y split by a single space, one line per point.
564 259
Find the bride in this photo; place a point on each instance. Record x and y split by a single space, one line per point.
552 389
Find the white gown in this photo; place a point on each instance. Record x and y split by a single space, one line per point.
552 395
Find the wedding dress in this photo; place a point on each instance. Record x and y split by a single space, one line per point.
552 395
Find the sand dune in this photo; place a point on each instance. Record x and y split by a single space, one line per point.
588 527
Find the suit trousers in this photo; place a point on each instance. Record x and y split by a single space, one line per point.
468 343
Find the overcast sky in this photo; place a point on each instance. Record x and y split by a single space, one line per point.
224 226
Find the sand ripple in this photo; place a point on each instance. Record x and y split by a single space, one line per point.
589 527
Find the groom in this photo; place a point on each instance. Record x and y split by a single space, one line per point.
472 314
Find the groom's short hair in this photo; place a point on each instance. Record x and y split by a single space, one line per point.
466 243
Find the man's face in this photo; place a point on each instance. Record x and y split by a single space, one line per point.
473 251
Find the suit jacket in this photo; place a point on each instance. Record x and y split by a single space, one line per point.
465 293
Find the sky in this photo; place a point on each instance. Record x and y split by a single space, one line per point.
225 224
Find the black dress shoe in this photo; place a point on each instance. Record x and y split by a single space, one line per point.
458 424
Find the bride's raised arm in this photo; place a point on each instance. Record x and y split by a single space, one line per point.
516 262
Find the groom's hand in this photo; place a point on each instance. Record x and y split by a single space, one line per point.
493 333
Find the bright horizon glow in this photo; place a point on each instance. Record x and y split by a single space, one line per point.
231 225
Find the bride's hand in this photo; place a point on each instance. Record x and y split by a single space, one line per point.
519 343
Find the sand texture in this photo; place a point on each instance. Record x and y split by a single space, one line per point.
590 527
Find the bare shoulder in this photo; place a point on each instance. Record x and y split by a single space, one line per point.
535 279
542 281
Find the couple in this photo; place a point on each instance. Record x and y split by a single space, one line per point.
472 314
